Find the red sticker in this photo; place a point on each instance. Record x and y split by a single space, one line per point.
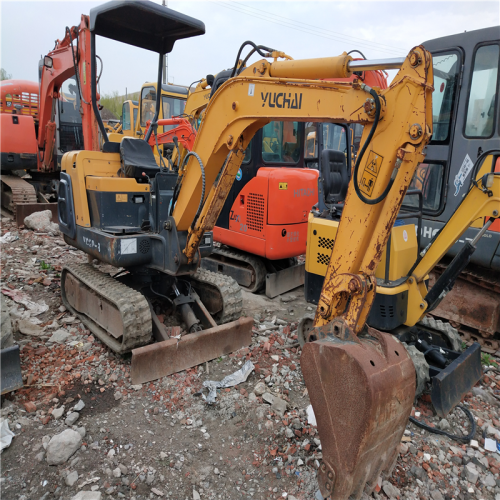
442 87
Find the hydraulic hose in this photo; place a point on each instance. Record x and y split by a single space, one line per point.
434 430
365 200
257 48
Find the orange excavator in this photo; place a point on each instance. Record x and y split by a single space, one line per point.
39 123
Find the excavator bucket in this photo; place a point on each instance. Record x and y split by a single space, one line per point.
362 391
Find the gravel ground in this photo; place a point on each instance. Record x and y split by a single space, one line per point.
80 426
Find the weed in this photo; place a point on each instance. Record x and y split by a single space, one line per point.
486 359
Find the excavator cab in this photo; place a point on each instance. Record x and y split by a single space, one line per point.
142 24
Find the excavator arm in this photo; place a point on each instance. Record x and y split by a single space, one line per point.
248 102
58 66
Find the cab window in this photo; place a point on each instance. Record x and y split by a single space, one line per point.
248 153
483 93
135 116
148 104
334 137
428 178
172 107
446 67
70 119
126 116
281 142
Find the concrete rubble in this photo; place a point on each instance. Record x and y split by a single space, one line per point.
84 432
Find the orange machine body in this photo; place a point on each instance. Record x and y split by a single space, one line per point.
269 216
18 124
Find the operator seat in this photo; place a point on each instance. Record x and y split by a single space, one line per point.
136 157
335 175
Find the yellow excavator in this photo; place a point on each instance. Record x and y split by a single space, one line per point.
154 225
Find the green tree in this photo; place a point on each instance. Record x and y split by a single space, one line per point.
4 75
113 102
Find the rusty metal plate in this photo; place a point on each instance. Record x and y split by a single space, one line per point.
471 305
25 209
158 360
362 392
285 280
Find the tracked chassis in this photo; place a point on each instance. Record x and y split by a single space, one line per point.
121 316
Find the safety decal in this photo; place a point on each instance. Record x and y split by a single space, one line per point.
121 198
251 89
405 235
370 173
128 246
283 185
464 171
239 175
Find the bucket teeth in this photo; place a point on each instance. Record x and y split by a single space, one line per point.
362 391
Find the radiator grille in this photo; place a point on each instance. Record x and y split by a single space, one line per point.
255 212
323 259
387 311
326 243
144 246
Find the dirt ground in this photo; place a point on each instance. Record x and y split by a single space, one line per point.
162 439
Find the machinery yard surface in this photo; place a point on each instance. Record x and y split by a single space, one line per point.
162 440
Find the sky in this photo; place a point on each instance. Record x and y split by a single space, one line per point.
302 29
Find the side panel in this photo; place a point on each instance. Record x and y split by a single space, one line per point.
285 240
17 134
250 244
18 142
292 194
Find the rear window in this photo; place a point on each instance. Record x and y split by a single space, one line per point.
428 178
483 93
281 142
446 69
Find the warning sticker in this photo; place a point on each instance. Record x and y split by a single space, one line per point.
128 246
370 173
283 185
121 198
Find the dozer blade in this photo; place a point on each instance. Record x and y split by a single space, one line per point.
10 368
361 390
451 384
158 360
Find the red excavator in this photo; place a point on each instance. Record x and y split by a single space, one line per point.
39 123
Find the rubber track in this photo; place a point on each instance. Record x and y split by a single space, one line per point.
132 305
228 289
485 278
445 329
254 262
22 192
